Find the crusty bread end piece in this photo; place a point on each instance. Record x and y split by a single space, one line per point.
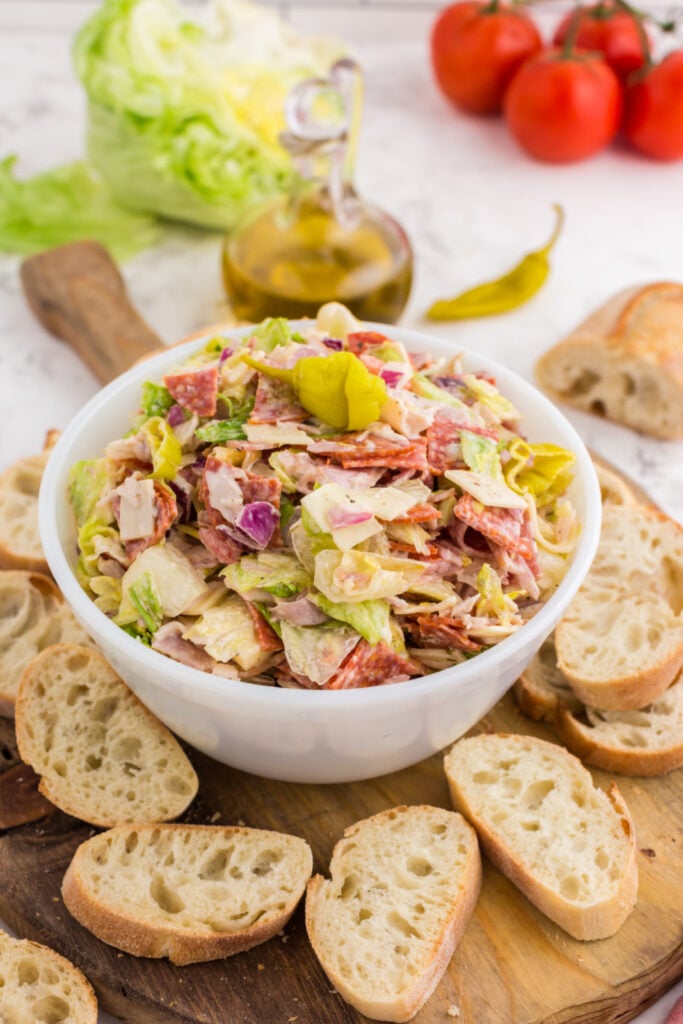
568 846
20 546
191 893
37 984
384 927
102 756
613 488
625 361
33 615
620 642
542 687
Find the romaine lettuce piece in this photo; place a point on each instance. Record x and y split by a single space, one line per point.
89 481
492 600
95 538
176 581
272 332
360 576
317 651
275 572
107 590
145 599
489 395
423 386
156 399
481 454
369 618
227 633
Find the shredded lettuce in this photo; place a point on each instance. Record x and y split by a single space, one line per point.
361 576
144 597
95 538
227 633
156 399
184 115
277 573
492 600
221 430
176 582
63 205
369 618
89 480
489 395
481 454
317 651
272 332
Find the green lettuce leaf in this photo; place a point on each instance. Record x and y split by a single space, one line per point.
481 454
144 597
156 399
67 204
277 573
317 651
88 481
183 116
369 618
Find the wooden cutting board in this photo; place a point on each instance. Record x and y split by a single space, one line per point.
513 965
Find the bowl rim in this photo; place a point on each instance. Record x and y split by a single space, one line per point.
170 673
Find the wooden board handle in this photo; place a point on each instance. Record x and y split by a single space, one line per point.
78 294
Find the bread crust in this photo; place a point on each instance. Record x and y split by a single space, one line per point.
63 967
638 334
144 939
404 1008
598 921
632 761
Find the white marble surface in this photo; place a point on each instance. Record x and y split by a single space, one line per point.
470 200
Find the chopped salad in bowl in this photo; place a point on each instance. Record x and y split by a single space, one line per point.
321 509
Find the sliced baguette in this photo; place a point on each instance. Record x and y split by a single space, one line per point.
33 615
20 546
102 756
384 927
568 846
37 984
644 742
625 361
613 488
542 687
187 892
620 643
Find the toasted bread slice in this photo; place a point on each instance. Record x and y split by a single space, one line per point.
33 615
568 846
620 643
37 984
102 756
625 361
613 488
20 546
644 742
187 892
384 927
542 687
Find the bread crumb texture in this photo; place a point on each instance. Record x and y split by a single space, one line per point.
102 756
191 892
568 845
37 986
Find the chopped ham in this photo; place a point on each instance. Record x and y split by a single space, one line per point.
299 611
169 640
135 510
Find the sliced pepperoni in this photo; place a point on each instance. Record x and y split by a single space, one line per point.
441 631
360 342
261 488
166 510
371 666
443 443
216 539
275 401
503 526
196 390
266 636
361 451
423 513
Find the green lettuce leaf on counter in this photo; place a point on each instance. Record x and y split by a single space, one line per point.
184 115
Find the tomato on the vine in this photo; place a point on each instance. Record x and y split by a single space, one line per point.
654 109
476 49
563 107
607 28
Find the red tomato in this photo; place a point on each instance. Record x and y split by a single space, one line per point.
608 30
564 108
476 49
654 110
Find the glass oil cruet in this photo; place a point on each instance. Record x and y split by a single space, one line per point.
321 242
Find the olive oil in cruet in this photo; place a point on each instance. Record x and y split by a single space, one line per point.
321 242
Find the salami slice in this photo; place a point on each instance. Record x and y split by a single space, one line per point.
443 444
505 527
218 542
360 342
441 631
166 510
361 451
267 637
195 390
424 513
261 488
371 666
275 401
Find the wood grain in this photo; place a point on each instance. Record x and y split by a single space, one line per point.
78 294
513 965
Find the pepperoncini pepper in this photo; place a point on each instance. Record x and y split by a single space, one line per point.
505 293
338 389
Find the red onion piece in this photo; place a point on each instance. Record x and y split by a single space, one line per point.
258 520
175 416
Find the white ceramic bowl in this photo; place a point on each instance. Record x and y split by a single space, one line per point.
302 735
